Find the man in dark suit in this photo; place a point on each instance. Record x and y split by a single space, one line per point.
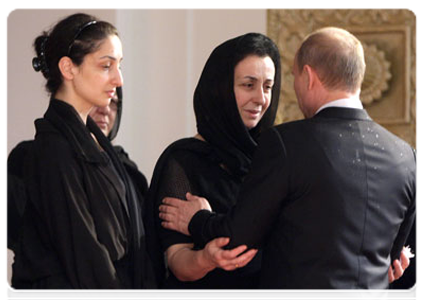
330 198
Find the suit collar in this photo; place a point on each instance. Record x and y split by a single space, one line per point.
343 113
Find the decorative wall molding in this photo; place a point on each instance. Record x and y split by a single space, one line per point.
389 40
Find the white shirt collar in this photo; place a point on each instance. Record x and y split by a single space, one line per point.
353 102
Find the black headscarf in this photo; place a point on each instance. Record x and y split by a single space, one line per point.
140 182
216 111
219 122
114 131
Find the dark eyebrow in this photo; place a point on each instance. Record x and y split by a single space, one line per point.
110 57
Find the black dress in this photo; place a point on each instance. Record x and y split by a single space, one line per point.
16 190
138 179
191 165
82 225
214 169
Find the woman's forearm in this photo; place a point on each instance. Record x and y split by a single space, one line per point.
187 264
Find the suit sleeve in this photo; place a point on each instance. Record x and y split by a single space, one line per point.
410 215
259 202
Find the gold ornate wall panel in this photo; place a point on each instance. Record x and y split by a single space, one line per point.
389 41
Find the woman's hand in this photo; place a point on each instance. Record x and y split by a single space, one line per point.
228 260
190 265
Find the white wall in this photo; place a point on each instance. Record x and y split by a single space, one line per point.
164 53
26 97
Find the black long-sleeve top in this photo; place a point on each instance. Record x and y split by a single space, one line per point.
82 225
191 165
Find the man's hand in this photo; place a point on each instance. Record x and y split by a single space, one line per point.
176 213
228 260
400 265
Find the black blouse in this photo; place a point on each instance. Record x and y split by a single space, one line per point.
190 165
82 226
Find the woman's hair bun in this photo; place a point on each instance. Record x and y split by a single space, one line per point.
39 63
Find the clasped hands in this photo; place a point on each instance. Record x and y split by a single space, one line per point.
176 215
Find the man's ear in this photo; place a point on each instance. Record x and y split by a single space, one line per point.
312 78
66 67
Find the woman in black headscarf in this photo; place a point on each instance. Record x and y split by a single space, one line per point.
235 100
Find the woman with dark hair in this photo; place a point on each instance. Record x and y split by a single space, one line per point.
235 100
82 224
108 120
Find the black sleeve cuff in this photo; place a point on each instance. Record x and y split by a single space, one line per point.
196 227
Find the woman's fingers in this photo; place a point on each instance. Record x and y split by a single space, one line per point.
246 258
391 274
233 253
398 270
221 242
240 261
405 260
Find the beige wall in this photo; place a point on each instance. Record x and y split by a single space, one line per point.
164 53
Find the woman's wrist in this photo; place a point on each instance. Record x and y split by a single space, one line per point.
205 261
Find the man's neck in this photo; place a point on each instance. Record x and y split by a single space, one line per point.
349 100
336 95
333 96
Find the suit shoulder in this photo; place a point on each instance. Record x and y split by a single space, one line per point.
394 139
292 125
291 129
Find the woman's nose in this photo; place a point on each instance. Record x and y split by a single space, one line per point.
260 96
118 78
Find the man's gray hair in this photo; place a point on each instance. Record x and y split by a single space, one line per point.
336 55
